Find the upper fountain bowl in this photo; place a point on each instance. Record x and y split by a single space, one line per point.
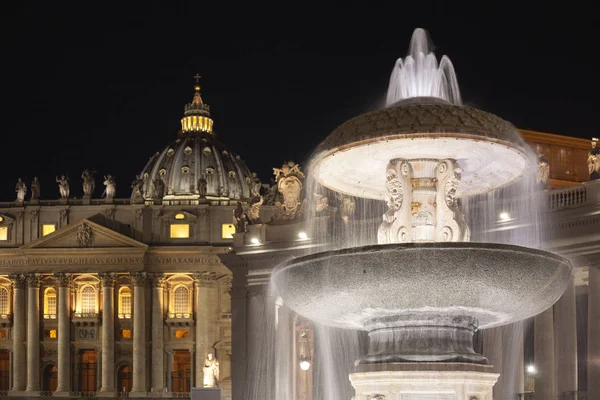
364 287
488 149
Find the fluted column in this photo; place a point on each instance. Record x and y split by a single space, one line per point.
593 353
18 331
139 342
33 332
565 328
544 355
202 290
108 333
64 334
158 350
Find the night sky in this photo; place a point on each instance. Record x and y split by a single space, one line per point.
103 84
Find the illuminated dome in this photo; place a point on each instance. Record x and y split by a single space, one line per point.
195 167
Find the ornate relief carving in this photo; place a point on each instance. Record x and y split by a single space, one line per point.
64 216
34 280
17 281
139 213
110 212
450 224
64 280
85 236
205 278
289 180
108 279
157 279
138 278
396 226
34 216
20 216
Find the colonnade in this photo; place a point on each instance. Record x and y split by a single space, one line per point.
26 334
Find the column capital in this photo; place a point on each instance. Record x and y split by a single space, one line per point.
157 279
108 279
204 279
17 281
34 280
139 278
64 280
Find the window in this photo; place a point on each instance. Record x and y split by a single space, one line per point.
3 301
50 303
48 229
125 333
3 334
88 300
181 334
181 300
125 302
50 333
180 231
179 216
3 233
227 231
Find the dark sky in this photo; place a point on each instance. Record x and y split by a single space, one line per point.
103 84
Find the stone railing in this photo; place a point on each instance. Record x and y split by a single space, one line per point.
587 193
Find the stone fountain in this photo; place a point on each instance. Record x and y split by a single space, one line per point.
423 291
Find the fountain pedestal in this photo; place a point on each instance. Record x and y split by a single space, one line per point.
423 381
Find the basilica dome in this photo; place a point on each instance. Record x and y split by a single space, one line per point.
195 166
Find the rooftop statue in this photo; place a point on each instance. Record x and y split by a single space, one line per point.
111 187
21 190
593 160
63 187
136 186
543 174
253 211
87 178
35 189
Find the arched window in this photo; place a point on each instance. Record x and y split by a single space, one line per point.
88 300
181 300
125 302
3 301
50 303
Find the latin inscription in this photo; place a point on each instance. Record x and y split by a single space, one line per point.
157 260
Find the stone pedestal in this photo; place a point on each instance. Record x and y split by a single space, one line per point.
431 381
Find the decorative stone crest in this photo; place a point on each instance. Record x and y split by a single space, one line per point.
85 236
289 180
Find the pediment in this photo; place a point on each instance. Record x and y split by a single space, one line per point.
85 234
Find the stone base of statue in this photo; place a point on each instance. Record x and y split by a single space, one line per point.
86 199
207 393
109 200
63 201
33 202
431 381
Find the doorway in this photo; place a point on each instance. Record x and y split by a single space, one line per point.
182 361
124 379
87 365
50 378
4 370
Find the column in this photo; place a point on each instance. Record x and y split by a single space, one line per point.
202 290
170 370
544 355
64 333
593 367
565 328
158 351
139 342
33 332
108 333
492 350
19 370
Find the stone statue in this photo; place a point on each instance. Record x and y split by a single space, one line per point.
35 189
87 178
253 212
211 371
63 187
593 161
289 183
136 186
159 187
202 184
256 185
543 173
321 203
347 208
111 187
239 218
396 226
21 190
271 192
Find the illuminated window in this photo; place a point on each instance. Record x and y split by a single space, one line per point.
125 302
50 333
3 334
125 333
181 334
1 219
180 231
50 303
88 300
3 301
227 231
181 300
3 233
48 229
179 216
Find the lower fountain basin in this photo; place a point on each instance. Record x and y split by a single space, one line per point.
377 287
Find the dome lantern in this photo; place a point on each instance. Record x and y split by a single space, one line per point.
196 114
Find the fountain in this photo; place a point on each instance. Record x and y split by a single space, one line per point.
424 289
